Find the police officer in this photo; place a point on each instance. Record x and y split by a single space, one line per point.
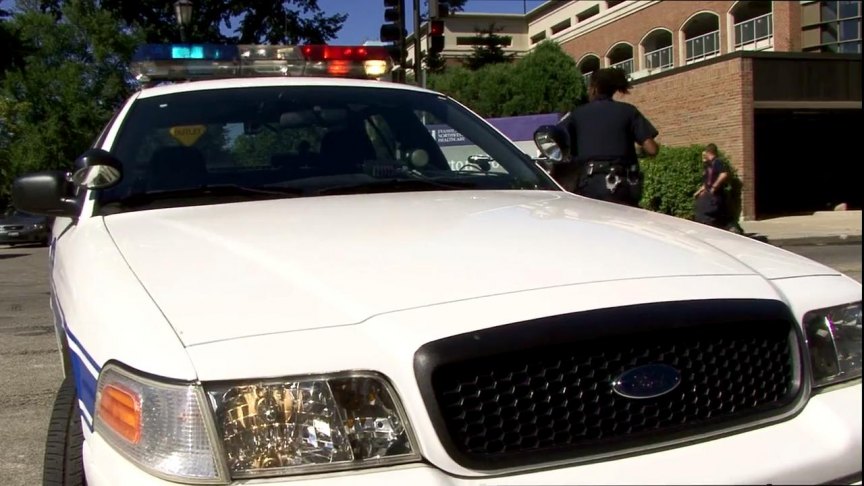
604 134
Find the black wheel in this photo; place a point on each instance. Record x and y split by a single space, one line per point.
64 465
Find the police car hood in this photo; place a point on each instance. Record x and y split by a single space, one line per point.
242 269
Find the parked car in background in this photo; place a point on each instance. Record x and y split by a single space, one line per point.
20 228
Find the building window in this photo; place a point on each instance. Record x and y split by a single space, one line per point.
660 59
839 27
621 57
479 41
658 50
753 31
538 37
588 13
754 25
587 66
612 3
560 26
702 37
703 46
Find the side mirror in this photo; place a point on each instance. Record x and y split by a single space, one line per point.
553 142
44 193
97 169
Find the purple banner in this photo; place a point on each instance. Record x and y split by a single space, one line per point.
516 128
521 128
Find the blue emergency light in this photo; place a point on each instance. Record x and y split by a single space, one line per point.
187 52
168 52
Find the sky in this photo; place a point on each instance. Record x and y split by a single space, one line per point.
366 16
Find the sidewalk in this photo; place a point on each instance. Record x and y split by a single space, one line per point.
820 228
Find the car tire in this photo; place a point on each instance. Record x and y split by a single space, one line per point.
64 464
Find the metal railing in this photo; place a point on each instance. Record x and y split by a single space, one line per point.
626 65
703 46
751 32
587 77
659 58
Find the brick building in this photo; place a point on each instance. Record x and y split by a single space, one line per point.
730 72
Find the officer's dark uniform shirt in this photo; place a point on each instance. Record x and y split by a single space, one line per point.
713 171
606 129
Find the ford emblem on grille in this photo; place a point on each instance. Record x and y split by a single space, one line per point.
647 381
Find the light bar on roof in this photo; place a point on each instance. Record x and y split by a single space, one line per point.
183 62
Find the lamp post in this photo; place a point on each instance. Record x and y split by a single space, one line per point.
183 12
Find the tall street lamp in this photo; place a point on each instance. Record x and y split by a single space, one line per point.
183 12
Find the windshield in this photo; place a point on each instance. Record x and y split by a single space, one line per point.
271 142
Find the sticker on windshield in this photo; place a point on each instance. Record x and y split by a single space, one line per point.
187 134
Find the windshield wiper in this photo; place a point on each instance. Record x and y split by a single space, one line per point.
220 190
396 185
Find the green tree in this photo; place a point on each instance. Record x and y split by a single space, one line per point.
453 6
72 80
488 48
10 54
248 21
546 81
434 63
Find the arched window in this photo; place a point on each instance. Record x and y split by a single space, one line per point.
701 37
587 65
753 25
657 48
621 56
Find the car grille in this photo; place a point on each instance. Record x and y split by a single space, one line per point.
12 228
536 398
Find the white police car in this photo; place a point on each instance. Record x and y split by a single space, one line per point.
265 280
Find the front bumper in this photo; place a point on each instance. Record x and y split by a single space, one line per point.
821 444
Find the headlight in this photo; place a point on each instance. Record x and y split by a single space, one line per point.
311 424
834 342
37 226
163 428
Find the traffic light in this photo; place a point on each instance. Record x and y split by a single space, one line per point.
394 14
438 9
436 36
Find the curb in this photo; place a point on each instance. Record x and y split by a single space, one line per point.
816 240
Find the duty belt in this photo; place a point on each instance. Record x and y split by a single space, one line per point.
616 173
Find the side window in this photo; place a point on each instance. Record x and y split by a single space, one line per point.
461 153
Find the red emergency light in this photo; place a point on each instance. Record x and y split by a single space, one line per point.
344 53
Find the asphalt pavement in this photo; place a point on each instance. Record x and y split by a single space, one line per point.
30 370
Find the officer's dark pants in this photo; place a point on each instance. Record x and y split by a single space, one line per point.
712 209
594 186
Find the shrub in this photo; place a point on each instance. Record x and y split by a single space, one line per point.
675 174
